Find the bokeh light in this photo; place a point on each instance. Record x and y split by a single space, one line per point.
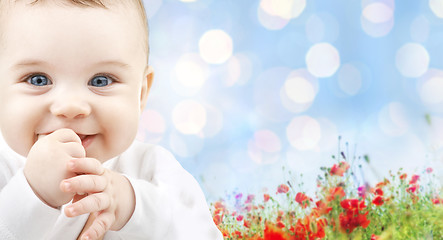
238 70
377 18
436 7
304 133
393 119
215 46
420 29
299 91
322 60
349 79
264 147
430 89
185 146
189 117
412 60
322 27
271 22
286 9
189 75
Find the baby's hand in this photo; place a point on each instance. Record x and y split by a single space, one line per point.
110 197
46 163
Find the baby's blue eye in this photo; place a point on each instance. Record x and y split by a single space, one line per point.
39 80
100 81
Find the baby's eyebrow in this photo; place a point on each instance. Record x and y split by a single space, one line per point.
34 62
29 62
113 62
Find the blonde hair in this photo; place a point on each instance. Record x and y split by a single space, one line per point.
138 4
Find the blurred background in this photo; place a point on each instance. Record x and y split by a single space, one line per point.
246 91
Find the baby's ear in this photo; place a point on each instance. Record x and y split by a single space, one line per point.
148 77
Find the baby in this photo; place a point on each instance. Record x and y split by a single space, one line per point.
74 81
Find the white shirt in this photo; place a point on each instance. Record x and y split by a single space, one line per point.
169 202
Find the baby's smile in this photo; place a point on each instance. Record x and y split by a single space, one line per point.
86 139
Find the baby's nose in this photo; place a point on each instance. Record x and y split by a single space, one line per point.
70 106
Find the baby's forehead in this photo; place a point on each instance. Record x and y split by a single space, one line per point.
131 8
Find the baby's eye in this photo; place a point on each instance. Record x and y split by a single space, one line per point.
39 80
100 81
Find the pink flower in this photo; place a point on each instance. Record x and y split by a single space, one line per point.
283 188
414 179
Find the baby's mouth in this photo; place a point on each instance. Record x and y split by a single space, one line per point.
85 139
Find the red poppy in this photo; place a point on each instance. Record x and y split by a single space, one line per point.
283 188
403 176
272 232
302 199
378 191
266 197
412 188
239 218
378 200
350 221
339 169
436 200
322 208
334 193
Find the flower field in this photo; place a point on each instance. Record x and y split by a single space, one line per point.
401 206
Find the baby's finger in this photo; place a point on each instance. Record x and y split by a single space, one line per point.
101 224
92 203
85 166
66 135
74 149
84 184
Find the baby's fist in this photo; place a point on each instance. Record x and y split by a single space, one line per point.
46 165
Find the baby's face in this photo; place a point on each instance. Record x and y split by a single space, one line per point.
68 67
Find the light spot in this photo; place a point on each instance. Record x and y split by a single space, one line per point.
393 119
315 29
378 12
420 29
215 46
299 91
431 91
188 0
264 147
189 74
304 133
189 117
185 146
322 27
238 70
377 18
436 7
286 9
322 60
271 22
349 79
412 60
214 122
